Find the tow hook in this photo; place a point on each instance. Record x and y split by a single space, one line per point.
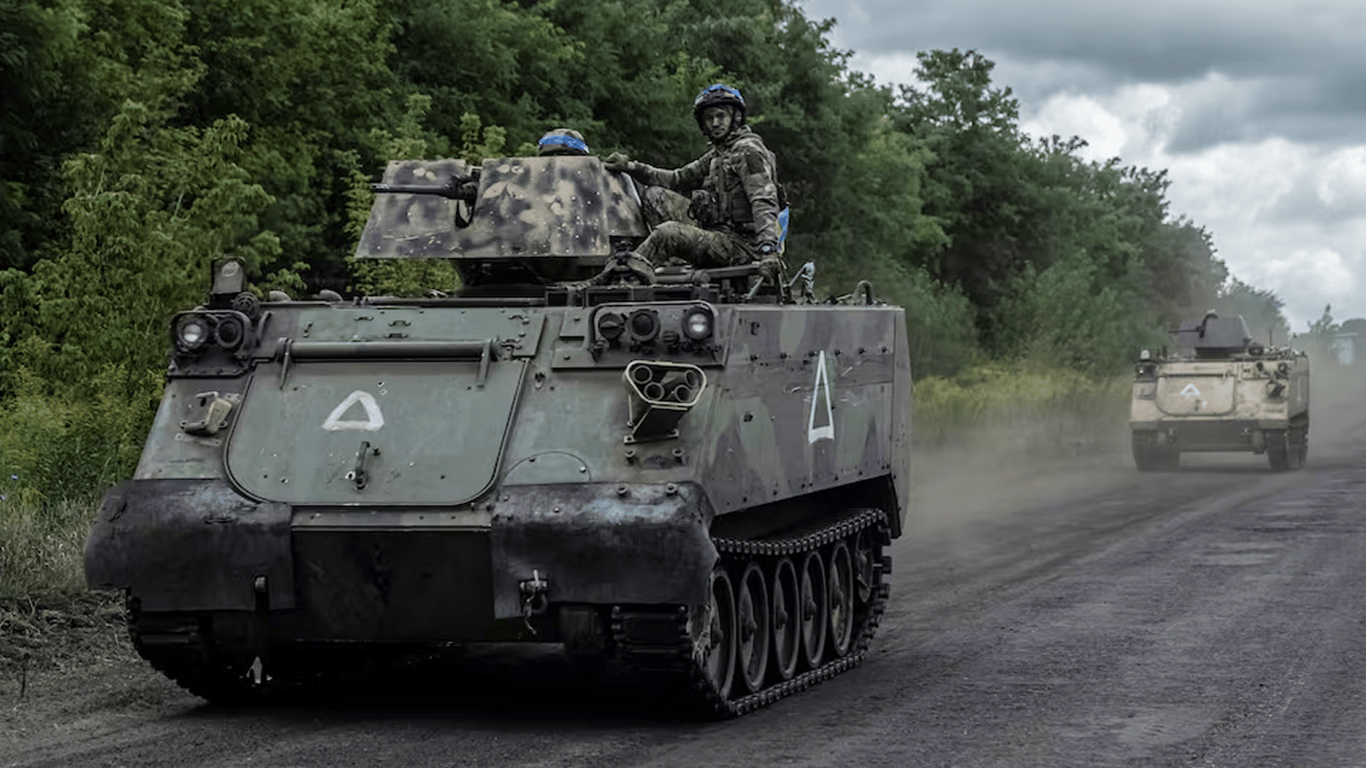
357 474
535 598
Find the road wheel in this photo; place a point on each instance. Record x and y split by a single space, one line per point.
815 615
841 598
717 643
1278 449
1151 455
865 555
785 602
1143 459
1171 458
754 624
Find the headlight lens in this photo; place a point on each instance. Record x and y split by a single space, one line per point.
191 332
644 324
697 324
229 333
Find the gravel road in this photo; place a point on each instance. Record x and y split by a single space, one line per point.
1076 613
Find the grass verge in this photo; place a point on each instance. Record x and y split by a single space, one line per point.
41 544
47 615
1030 408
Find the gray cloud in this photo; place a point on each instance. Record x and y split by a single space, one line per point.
1300 67
1302 205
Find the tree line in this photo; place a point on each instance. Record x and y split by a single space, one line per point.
141 139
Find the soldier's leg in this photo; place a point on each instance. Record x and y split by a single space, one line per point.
669 240
701 248
660 205
718 249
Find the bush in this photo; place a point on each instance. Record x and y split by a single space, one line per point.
72 440
1041 406
1072 316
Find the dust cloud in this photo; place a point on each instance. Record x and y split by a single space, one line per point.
997 469
1337 414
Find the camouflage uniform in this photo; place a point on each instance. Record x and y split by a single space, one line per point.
734 192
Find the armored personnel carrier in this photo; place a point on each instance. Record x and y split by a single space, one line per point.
1218 390
697 476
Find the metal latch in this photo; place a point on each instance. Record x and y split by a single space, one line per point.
535 598
358 475
209 413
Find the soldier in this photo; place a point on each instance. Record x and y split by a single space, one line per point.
562 141
734 190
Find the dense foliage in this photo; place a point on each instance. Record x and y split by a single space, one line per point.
140 139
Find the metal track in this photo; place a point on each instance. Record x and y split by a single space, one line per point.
676 654
178 649
648 637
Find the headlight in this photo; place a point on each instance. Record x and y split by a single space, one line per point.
644 324
697 324
229 333
191 331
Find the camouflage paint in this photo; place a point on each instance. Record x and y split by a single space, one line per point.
527 207
492 440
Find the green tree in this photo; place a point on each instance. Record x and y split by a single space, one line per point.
1261 309
492 58
1074 315
312 80
973 186
148 216
49 106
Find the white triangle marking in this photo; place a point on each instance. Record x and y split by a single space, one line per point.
373 418
1190 391
827 432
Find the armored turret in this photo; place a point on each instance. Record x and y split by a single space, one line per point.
510 221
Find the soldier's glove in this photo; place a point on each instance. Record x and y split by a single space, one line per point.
618 162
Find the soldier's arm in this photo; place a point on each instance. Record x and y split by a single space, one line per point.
760 180
684 179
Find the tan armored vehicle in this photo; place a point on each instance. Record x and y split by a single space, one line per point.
1220 391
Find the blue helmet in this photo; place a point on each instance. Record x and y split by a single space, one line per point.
719 95
562 141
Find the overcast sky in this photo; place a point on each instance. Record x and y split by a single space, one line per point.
1257 110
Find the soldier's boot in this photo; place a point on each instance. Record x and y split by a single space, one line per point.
628 267
637 267
771 269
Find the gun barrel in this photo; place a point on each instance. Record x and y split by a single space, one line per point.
451 192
